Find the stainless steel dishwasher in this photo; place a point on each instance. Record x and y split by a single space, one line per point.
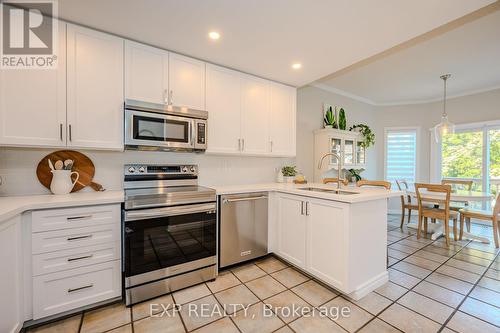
243 227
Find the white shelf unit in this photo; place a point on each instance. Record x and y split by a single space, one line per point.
327 140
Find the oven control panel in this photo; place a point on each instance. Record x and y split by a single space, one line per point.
147 169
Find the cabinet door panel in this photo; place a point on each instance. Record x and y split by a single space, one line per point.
325 237
282 120
146 73
292 230
95 89
224 109
187 82
11 287
255 116
33 103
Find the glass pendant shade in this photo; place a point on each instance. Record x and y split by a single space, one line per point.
445 126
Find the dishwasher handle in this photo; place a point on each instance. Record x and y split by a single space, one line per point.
225 200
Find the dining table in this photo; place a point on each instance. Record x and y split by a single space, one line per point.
437 229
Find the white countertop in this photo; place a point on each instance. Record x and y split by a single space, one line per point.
362 194
12 206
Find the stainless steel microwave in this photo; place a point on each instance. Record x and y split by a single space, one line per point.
150 126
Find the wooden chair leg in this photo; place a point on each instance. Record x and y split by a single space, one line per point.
467 221
409 215
495 231
462 218
402 217
455 233
447 231
419 225
425 227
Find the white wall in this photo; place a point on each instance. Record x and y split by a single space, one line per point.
310 117
18 168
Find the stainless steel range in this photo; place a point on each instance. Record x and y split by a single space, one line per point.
169 227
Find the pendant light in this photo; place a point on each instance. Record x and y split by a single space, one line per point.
445 126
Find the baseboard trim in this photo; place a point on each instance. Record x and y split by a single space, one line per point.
369 286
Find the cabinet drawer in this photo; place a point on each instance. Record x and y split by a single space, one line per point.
58 240
69 259
67 218
58 292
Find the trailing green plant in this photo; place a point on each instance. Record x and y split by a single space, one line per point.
368 135
329 118
289 171
342 119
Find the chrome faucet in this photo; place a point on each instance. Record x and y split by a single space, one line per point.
339 165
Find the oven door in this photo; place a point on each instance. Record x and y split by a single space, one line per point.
145 129
155 240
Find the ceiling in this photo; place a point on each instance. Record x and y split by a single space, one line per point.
265 37
471 53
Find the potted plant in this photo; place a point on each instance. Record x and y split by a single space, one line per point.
342 119
368 135
289 173
329 118
354 174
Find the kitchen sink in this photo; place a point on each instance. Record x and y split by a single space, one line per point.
327 190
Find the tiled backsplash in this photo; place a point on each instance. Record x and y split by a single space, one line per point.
18 168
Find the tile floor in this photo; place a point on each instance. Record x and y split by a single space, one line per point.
432 288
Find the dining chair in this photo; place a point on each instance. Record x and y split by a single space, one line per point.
426 194
334 180
486 215
459 184
405 203
377 183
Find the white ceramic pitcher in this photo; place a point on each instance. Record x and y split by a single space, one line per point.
61 181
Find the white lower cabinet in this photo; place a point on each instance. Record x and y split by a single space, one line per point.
11 276
311 234
325 246
66 290
76 256
292 229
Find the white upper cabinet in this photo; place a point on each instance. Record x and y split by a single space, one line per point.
33 103
282 120
255 115
146 73
186 82
223 106
94 89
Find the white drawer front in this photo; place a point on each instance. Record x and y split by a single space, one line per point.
58 240
67 218
68 259
58 292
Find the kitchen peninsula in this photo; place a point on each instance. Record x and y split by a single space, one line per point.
339 238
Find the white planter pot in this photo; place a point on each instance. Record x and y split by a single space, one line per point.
288 179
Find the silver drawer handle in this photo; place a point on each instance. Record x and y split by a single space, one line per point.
245 199
81 258
77 218
70 290
78 237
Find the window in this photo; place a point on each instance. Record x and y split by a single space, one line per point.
472 153
401 154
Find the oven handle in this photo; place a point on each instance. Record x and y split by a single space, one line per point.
169 211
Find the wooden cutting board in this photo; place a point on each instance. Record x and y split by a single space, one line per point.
82 164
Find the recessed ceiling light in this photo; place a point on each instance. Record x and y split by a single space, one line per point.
214 35
297 65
